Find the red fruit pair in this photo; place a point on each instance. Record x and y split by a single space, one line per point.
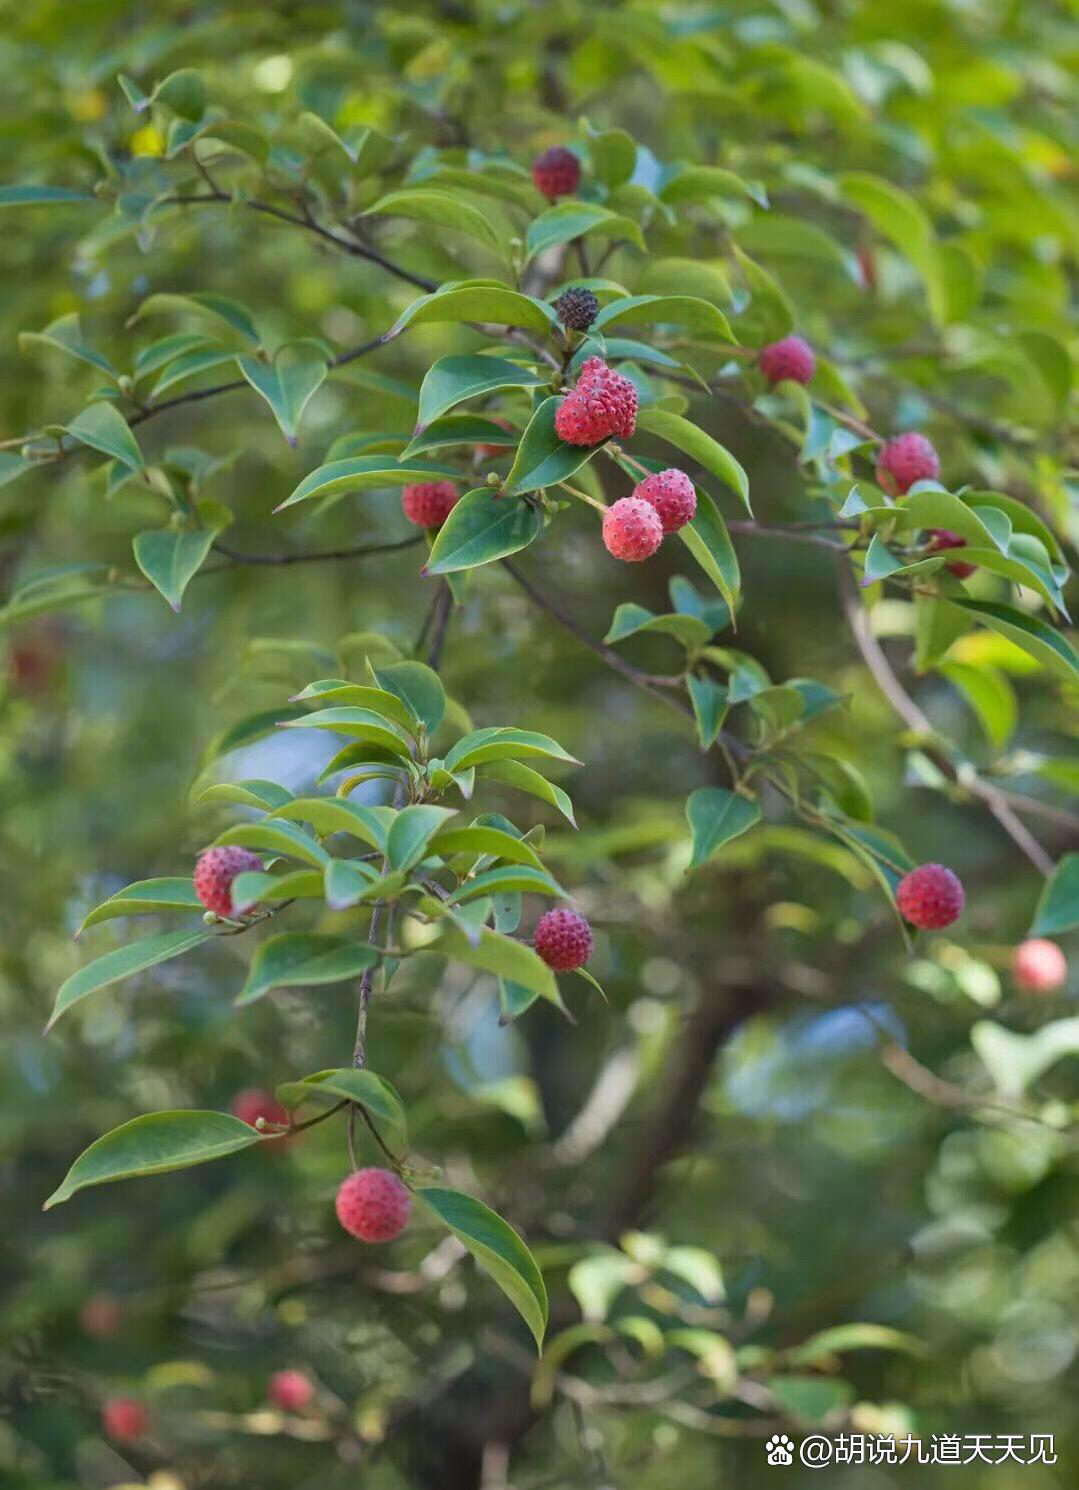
790 360
557 172
428 503
930 897
215 872
604 403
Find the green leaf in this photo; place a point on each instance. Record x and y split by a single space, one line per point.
770 315
380 700
441 210
418 687
1029 632
542 458
513 773
708 541
500 744
494 953
65 334
811 1398
121 963
170 559
701 183
699 316
575 219
145 898
842 1337
614 156
265 795
297 958
189 365
41 196
630 618
276 837
287 384
516 879
336 815
1058 908
362 473
219 307
371 1091
989 694
483 526
348 882
703 449
102 427
366 148
154 1144
361 724
481 838
1015 1061
451 380
716 816
184 92
709 700
410 833
498 1250
459 429
488 302
899 218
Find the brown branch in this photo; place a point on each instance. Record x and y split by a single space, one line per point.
235 559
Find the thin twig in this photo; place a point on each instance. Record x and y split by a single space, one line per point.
321 556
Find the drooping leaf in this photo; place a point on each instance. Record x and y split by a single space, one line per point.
155 1144
371 1091
700 446
145 898
297 958
121 963
716 816
170 558
485 525
287 384
486 302
364 473
1058 908
102 427
452 380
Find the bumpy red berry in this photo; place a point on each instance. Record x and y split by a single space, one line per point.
930 897
373 1205
603 403
124 1419
253 1103
673 496
790 360
1039 966
632 530
941 538
290 1391
577 308
563 939
903 461
215 872
428 503
557 172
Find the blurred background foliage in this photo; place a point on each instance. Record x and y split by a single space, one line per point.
779 1124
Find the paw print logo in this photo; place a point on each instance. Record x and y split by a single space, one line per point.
780 1449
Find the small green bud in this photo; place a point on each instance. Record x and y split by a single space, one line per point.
210 918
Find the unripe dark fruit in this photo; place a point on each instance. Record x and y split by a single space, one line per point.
557 172
563 939
577 308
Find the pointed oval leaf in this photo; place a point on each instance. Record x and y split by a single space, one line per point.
1058 908
365 473
122 963
493 303
451 380
697 315
708 541
361 724
442 210
171 559
419 689
574 219
707 452
102 427
496 743
498 1250
154 1144
513 773
410 833
146 898
287 384
483 839
298 958
716 816
336 815
276 838
371 1091
484 525
542 458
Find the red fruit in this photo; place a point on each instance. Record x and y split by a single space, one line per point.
428 503
930 897
100 1316
673 496
253 1103
290 1391
125 1419
373 1205
632 530
944 538
603 403
563 939
1039 966
557 172
791 359
215 872
905 460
